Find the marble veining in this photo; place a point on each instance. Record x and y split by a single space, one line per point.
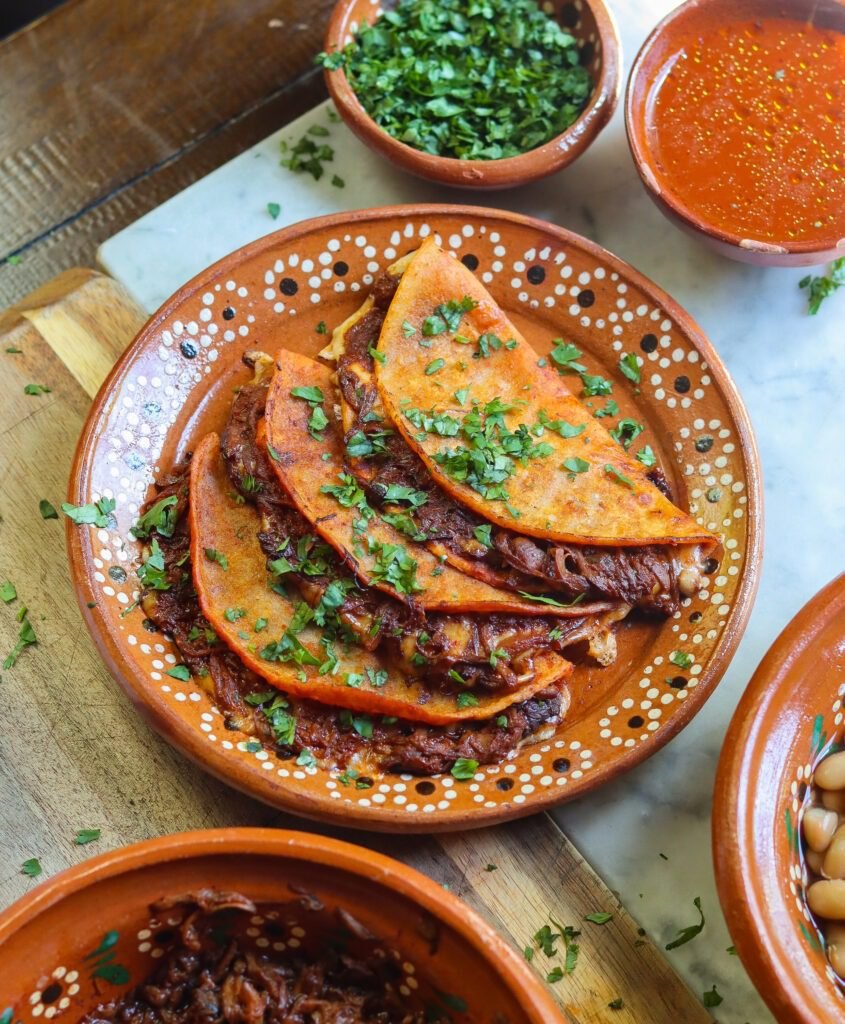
790 369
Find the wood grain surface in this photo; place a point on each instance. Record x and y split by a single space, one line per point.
148 97
73 754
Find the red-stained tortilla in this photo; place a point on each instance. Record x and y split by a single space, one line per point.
306 464
610 501
230 573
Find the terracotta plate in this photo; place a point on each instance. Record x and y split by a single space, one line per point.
789 716
175 382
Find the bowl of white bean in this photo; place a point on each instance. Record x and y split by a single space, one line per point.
779 818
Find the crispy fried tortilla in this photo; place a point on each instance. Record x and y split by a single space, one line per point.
234 592
508 439
375 545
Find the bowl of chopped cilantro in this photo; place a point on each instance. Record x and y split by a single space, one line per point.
474 93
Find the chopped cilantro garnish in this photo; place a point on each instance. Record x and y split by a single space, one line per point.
26 638
483 534
260 624
377 677
820 287
394 565
575 465
337 181
362 446
408 329
561 427
630 367
647 457
434 366
711 998
47 510
213 555
398 492
151 570
378 356
544 599
616 1004
565 354
233 614
36 389
305 758
625 431
687 934
312 395
274 209
479 81
461 396
87 835
161 517
8 593
618 476
180 672
31 868
98 514
555 974
307 156
595 385
599 917
464 768
681 659
447 316
466 700
610 409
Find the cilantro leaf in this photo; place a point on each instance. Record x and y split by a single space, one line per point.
47 510
630 367
87 835
98 514
691 931
464 768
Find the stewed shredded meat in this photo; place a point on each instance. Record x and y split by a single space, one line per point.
645 577
214 973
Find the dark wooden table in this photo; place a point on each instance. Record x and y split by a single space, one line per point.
111 106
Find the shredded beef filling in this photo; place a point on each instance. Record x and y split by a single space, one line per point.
455 643
645 576
213 972
323 731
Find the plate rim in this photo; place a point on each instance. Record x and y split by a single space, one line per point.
735 813
168 723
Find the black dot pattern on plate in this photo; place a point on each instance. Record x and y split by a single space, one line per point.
470 261
648 343
710 566
341 268
561 764
682 384
287 286
149 626
588 52
228 313
425 788
51 993
713 494
504 784
568 16
117 573
189 348
636 721
703 443
586 298
677 682
536 274
695 617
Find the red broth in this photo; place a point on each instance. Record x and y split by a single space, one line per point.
747 122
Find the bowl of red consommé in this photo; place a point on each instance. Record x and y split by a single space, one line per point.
779 818
735 114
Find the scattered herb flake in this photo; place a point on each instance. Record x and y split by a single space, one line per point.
213 555
575 465
31 868
180 672
8 593
47 510
620 477
711 998
647 457
87 835
687 934
464 768
600 917
681 659
36 389
434 366
820 287
98 514
630 367
274 210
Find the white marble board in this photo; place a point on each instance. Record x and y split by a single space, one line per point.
789 367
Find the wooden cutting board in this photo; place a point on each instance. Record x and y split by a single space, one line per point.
73 754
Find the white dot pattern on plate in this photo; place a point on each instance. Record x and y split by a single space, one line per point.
569 292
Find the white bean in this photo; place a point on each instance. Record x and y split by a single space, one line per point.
830 774
833 800
815 862
835 943
819 827
827 899
834 858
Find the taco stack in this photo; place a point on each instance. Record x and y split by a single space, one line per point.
391 557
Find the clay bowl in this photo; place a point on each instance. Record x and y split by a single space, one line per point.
650 65
590 23
174 384
788 717
87 935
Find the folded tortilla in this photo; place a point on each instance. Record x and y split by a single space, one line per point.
310 467
233 587
551 471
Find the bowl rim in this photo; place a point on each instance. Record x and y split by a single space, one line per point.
636 131
736 833
536 163
163 716
311 849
